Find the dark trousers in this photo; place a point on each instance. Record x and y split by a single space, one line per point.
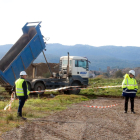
21 104
126 103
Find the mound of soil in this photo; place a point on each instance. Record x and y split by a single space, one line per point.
42 70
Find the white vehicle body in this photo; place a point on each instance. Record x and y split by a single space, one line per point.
78 66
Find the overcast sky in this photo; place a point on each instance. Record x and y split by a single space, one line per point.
70 22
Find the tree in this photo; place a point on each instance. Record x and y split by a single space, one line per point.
118 74
105 74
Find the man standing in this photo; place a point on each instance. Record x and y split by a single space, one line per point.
130 88
22 92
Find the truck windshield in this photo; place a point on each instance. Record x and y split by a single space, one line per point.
65 62
81 63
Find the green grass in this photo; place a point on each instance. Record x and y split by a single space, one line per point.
99 82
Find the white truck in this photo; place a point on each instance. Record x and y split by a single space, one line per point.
73 71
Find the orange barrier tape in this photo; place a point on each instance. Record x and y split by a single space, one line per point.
77 87
57 89
10 103
100 106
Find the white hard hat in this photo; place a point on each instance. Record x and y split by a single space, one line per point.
23 73
132 72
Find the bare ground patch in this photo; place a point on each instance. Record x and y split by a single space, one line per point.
83 123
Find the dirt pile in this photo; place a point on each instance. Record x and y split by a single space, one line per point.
42 70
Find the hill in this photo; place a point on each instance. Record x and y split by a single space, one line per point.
100 57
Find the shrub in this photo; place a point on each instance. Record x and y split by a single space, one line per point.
118 74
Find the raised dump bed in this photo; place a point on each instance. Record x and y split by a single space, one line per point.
22 53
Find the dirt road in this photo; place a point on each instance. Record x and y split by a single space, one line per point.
84 123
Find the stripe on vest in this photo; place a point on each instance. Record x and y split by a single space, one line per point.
19 88
19 92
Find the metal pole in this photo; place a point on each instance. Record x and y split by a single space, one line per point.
68 66
47 63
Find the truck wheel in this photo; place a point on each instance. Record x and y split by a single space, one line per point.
75 90
39 87
66 92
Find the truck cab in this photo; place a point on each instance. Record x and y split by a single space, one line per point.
78 66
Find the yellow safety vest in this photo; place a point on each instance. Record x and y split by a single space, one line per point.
129 81
19 88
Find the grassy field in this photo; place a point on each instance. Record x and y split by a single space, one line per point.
100 82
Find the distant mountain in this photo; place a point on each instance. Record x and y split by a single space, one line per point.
100 57
4 49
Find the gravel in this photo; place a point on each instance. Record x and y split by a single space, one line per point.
83 123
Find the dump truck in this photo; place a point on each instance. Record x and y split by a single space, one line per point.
73 70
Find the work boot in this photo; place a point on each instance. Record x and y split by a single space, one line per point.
23 118
19 115
132 112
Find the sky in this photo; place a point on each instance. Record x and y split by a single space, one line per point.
70 22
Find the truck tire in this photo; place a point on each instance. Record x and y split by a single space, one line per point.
38 87
66 92
75 91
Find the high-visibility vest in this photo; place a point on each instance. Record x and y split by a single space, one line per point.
129 83
19 88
